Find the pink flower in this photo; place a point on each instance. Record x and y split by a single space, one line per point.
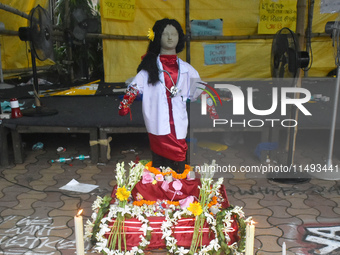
177 185
139 196
147 178
184 203
159 177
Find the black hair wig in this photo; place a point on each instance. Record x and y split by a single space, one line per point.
149 62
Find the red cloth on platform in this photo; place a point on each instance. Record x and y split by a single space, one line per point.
183 231
168 146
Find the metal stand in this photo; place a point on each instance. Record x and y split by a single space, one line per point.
39 111
333 124
2 84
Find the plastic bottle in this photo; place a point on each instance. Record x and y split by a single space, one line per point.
16 113
61 160
82 157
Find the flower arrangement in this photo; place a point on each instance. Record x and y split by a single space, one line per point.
106 229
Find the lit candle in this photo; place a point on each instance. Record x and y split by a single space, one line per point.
250 235
284 248
78 226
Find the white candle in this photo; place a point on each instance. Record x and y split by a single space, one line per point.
250 235
284 248
78 227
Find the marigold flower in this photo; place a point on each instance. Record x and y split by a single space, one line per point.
151 34
122 193
195 208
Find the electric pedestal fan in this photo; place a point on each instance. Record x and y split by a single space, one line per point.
286 57
82 25
286 62
39 34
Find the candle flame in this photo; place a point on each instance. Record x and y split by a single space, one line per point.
252 222
80 212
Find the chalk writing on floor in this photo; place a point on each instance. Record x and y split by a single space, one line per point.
31 236
327 237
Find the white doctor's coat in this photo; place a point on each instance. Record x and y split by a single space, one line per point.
155 105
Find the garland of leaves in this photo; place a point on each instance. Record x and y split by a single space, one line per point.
99 207
222 219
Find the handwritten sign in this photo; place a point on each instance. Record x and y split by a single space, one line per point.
118 9
222 53
207 27
275 15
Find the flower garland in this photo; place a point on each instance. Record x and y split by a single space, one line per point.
127 212
175 203
175 175
108 237
171 243
224 220
100 207
143 202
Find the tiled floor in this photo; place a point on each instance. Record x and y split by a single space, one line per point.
36 217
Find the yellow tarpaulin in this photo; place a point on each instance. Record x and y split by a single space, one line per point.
122 57
14 52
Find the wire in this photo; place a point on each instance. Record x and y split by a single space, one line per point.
44 191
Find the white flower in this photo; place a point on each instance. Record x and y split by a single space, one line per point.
145 228
144 241
204 250
94 216
215 244
182 251
167 223
136 210
97 203
210 219
100 246
166 233
238 210
88 229
108 251
136 250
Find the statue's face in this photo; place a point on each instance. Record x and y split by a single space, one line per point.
169 38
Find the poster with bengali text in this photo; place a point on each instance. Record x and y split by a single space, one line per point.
275 15
221 53
118 9
210 27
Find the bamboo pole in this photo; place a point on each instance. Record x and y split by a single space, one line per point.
68 45
57 33
14 10
188 30
300 30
